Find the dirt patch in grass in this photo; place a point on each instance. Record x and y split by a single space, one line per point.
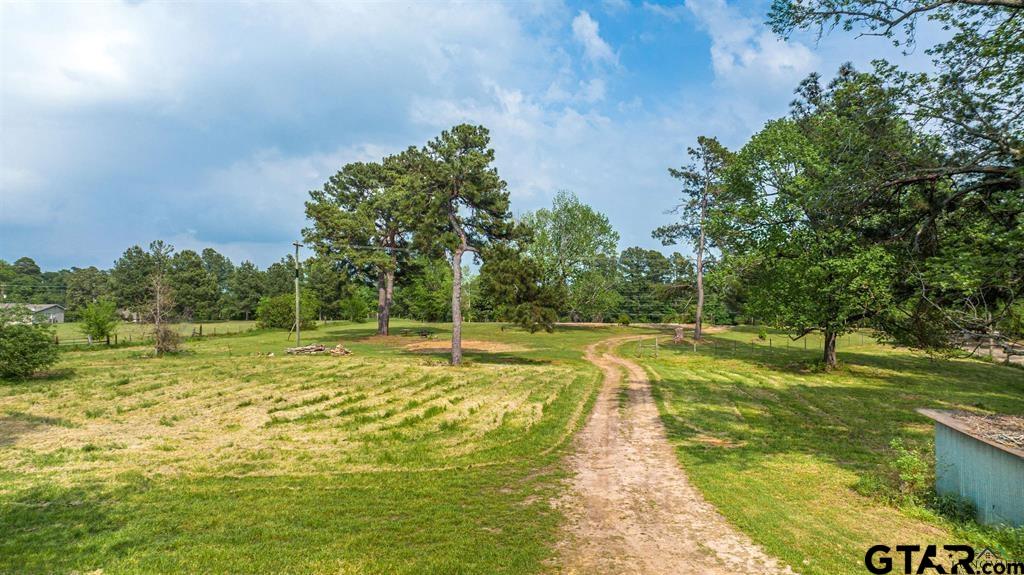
467 345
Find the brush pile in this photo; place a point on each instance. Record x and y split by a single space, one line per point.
318 348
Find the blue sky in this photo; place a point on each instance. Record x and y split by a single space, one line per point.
206 124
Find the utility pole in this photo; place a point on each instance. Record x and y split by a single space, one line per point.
298 309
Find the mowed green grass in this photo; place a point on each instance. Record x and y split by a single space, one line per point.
126 330
799 458
224 459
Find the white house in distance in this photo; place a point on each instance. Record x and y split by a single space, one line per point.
41 312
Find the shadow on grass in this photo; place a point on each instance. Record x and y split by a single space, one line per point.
469 356
15 424
51 528
756 404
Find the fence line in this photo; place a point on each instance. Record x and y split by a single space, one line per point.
146 337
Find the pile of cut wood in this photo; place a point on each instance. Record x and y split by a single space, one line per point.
318 348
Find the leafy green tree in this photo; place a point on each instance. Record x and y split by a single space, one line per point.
218 266
99 319
25 348
363 215
356 303
805 217
516 284
327 281
129 279
85 285
279 312
279 279
465 205
195 289
575 247
24 282
964 236
426 294
246 288
644 275
702 186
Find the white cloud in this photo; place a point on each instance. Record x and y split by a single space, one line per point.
586 31
744 53
674 13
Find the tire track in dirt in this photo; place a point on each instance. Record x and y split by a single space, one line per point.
631 508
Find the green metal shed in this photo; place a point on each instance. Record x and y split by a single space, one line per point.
979 467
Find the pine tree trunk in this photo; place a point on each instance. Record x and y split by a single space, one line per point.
829 356
699 317
389 296
457 306
382 299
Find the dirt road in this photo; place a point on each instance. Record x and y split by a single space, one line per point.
631 508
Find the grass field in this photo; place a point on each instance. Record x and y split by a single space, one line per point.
125 330
223 459
801 459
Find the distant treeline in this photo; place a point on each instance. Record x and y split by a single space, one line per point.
636 284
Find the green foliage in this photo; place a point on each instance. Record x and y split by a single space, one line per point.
623 319
85 285
25 348
357 305
954 508
960 219
914 473
99 319
514 282
802 216
762 333
279 312
279 279
129 279
428 294
196 292
575 248
246 287
363 216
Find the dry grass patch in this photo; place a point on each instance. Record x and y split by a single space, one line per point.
467 345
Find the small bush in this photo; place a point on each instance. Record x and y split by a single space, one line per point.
279 312
913 471
623 319
99 319
762 333
953 508
24 348
354 308
165 339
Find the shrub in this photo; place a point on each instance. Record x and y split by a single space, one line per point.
279 312
24 348
623 319
762 333
913 471
953 507
99 319
354 308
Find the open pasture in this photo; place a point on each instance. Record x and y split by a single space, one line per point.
801 459
225 459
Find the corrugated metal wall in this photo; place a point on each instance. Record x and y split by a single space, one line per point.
989 477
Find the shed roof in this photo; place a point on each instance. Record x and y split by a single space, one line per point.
32 307
998 431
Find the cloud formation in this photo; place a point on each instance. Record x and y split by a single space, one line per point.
208 123
587 32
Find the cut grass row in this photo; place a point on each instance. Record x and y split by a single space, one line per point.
223 459
800 459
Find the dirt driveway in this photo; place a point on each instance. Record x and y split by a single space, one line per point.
631 508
